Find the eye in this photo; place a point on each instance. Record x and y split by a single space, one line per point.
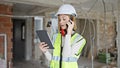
64 19
59 20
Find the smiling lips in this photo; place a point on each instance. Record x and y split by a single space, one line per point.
62 26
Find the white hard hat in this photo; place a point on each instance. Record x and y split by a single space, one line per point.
67 9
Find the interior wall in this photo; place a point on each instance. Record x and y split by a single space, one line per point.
107 34
6 27
28 39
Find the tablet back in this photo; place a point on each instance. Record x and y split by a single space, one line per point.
43 36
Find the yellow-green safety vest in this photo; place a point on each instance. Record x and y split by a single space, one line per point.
70 62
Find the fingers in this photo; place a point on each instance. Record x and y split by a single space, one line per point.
43 46
70 27
70 23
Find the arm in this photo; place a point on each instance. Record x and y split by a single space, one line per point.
78 47
45 50
69 50
48 55
66 47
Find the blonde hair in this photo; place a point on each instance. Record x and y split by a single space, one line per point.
73 19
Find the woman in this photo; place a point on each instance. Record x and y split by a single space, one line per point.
67 43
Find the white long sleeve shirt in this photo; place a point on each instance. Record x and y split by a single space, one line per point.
68 51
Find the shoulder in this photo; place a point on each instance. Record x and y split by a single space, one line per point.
80 37
55 35
77 35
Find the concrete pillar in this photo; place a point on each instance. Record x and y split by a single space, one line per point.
38 25
28 39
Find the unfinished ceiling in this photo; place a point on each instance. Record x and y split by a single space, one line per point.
38 7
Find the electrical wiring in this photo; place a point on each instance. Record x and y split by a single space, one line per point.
83 12
92 54
92 38
92 6
84 27
86 14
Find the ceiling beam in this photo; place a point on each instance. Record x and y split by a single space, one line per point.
45 3
38 11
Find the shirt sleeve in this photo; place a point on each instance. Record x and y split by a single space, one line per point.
66 47
48 55
70 50
77 46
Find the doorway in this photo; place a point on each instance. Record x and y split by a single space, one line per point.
18 40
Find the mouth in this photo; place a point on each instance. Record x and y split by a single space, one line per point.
63 26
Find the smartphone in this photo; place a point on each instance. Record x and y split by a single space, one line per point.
71 18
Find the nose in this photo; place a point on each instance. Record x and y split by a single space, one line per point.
61 22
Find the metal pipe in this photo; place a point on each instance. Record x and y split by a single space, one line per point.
5 48
117 39
105 28
92 54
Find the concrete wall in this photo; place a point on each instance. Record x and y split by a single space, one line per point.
107 35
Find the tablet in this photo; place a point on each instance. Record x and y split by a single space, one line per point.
43 36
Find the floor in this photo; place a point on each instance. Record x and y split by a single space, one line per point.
28 64
87 63
82 62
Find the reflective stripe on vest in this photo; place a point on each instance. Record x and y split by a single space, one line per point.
69 59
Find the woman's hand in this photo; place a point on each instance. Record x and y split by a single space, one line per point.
43 46
70 27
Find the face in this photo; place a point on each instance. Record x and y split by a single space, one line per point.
63 20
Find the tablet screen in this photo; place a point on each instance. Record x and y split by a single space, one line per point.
43 36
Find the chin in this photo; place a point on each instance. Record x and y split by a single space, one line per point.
63 28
